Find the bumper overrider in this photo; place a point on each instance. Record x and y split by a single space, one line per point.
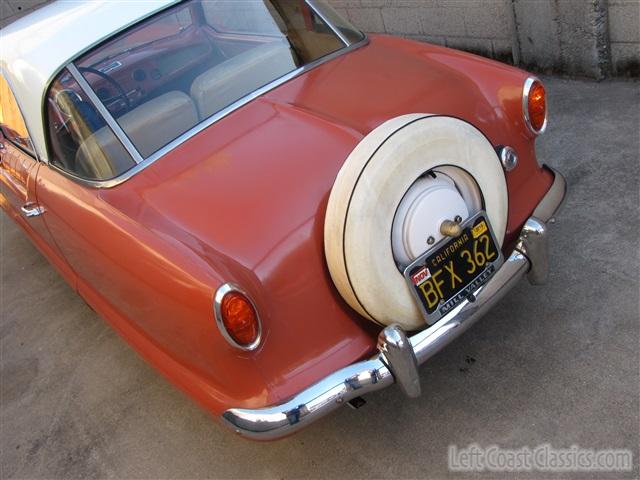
400 355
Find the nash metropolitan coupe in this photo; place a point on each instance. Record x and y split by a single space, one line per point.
278 212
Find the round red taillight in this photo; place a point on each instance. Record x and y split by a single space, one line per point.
535 105
237 318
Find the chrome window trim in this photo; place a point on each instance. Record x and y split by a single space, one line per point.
213 118
526 90
27 151
80 180
111 122
217 310
335 30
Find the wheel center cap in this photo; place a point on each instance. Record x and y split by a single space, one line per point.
417 225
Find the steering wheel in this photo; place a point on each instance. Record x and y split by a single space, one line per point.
121 93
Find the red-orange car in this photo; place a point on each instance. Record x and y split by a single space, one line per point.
279 213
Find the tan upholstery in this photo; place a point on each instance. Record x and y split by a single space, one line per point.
231 80
249 17
101 156
149 126
155 123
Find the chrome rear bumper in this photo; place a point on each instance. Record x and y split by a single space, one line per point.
399 355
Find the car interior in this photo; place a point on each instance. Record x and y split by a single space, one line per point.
175 70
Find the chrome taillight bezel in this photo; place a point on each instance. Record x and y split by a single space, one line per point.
526 90
217 313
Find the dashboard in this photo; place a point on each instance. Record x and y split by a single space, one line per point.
125 81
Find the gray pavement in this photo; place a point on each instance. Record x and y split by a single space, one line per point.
556 364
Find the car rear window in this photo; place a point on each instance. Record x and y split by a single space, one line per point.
176 69
81 143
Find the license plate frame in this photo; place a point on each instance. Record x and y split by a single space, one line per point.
478 240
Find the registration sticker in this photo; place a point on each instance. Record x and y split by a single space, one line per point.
479 229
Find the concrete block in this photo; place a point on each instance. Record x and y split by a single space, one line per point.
487 19
538 34
387 3
336 4
479 46
568 36
405 3
623 2
23 6
6 10
624 22
371 3
452 3
625 59
367 19
401 20
503 50
583 38
442 21
342 12
436 40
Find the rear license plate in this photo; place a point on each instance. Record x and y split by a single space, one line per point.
447 274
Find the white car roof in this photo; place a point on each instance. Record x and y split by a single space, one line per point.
34 48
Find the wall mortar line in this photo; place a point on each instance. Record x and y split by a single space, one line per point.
515 38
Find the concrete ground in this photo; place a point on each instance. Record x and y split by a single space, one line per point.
556 364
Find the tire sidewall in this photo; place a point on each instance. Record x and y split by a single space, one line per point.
366 195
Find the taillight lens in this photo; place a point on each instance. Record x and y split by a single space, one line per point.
238 317
535 105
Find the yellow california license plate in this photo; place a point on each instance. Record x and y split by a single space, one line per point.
450 272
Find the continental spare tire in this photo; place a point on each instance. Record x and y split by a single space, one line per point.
389 198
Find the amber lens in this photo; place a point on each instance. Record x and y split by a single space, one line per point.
239 318
537 106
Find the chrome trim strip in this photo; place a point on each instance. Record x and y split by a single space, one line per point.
335 30
217 117
82 181
526 89
376 373
311 404
217 310
115 127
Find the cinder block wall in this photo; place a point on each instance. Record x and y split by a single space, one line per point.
624 32
480 26
11 10
592 38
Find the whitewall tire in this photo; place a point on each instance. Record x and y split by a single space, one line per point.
366 194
